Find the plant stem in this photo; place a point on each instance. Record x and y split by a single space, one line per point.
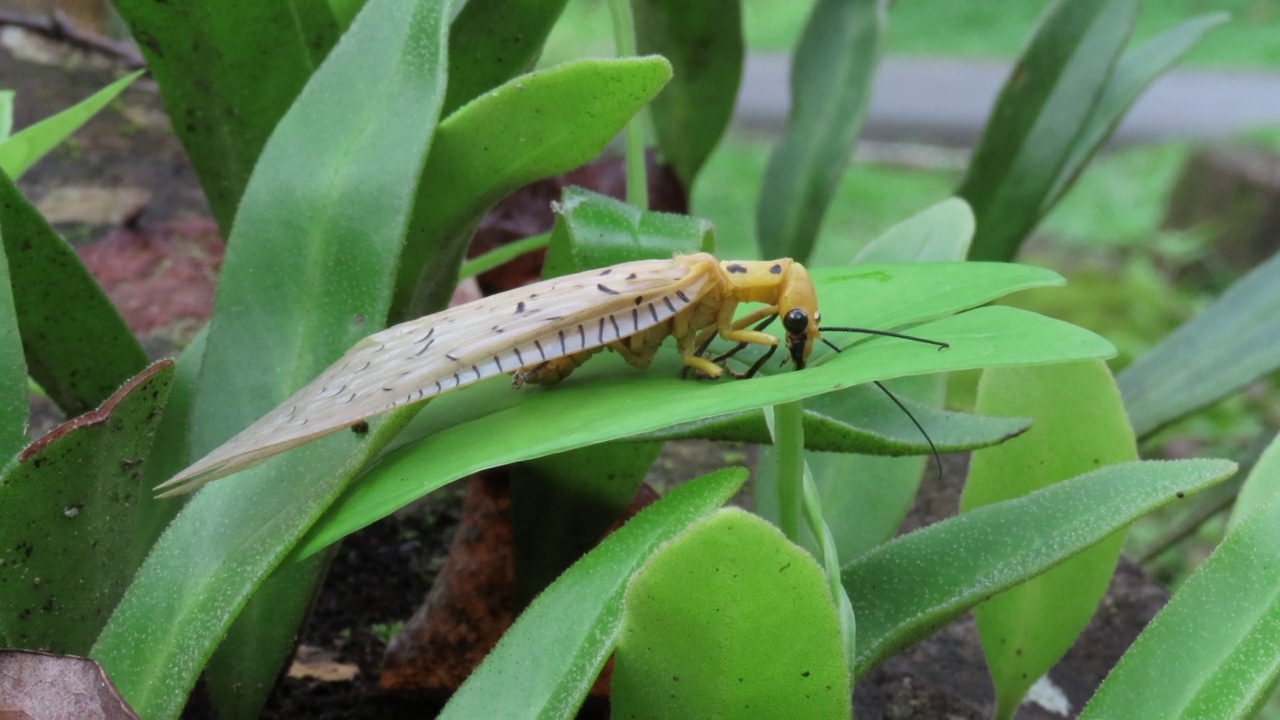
624 40
789 444
500 255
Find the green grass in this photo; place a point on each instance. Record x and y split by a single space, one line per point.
1117 204
998 28
962 28
869 200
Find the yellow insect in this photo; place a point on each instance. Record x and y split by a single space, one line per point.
541 333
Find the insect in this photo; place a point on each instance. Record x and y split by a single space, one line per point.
541 333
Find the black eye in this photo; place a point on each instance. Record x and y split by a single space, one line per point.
796 321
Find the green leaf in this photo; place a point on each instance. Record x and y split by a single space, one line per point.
530 128
21 151
831 76
859 420
224 111
1080 425
1211 652
1039 117
1132 74
169 450
594 230
6 114
77 346
942 232
14 408
1262 484
1228 345
246 666
703 41
908 587
308 271
730 620
69 505
454 438
492 41
277 318
865 497
543 666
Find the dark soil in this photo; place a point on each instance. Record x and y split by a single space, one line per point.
379 577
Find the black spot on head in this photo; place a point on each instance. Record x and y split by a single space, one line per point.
735 268
606 289
360 427
775 269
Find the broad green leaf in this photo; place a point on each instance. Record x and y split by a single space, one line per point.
1228 345
910 586
246 666
224 111
1262 484
532 127
942 232
859 420
603 401
1132 74
544 665
729 620
21 151
1079 426
1212 652
308 271
594 230
169 450
831 76
69 505
77 346
703 41
492 41
1040 115
14 409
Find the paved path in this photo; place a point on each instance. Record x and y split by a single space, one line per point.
946 101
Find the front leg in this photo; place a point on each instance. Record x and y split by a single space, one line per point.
734 331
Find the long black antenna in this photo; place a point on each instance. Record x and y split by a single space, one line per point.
937 459
885 333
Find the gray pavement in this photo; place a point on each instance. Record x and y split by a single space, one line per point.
946 101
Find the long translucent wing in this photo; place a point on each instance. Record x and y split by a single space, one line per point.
415 360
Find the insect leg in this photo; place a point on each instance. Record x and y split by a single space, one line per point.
686 342
734 332
707 336
760 361
738 348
